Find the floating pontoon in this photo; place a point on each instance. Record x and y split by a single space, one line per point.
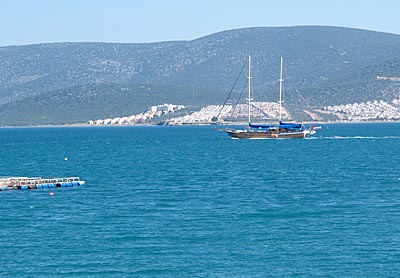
25 183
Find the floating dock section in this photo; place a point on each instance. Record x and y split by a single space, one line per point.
25 183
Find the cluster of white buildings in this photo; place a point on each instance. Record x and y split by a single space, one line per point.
367 111
165 108
207 114
364 111
268 110
153 112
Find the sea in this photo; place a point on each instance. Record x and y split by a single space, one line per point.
189 201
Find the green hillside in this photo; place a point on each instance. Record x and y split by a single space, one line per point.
86 102
322 65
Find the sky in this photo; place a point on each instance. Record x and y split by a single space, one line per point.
140 21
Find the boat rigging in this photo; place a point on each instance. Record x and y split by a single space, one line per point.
261 131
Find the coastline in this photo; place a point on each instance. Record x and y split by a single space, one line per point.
194 124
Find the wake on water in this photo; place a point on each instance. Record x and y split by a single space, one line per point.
353 137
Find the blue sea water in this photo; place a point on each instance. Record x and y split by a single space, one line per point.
191 202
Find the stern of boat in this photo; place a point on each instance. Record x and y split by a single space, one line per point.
308 132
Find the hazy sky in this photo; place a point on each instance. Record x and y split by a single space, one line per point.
36 21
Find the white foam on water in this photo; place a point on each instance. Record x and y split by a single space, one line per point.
356 137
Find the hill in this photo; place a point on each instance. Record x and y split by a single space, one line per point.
82 103
323 66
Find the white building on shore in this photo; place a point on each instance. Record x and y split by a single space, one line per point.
367 111
153 112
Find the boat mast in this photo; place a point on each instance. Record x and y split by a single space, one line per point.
249 78
280 92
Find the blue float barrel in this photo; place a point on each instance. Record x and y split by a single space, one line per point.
63 184
69 184
75 183
39 186
51 185
45 185
23 187
3 188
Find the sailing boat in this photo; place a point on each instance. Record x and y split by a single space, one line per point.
260 131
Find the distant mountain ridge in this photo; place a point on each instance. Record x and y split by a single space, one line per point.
325 65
